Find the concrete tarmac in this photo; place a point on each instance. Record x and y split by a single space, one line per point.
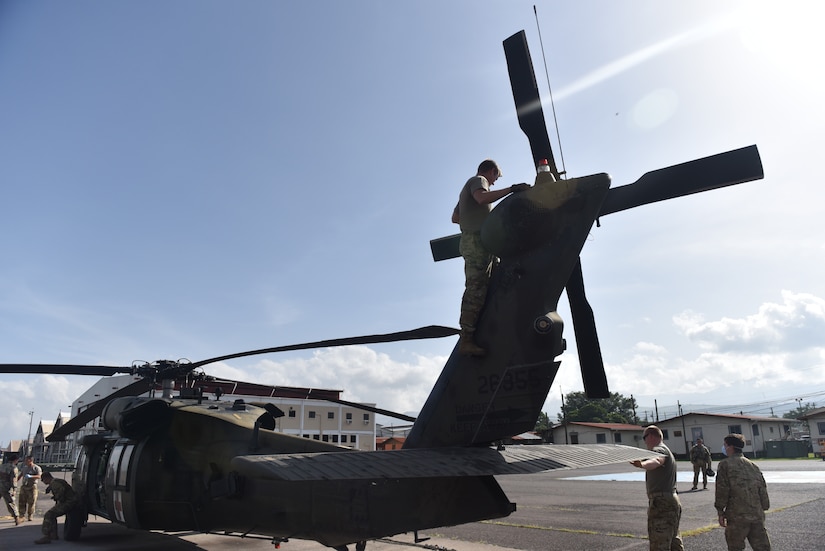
602 508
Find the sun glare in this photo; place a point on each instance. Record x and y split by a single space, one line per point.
787 34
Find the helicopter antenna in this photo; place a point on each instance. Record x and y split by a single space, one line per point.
552 103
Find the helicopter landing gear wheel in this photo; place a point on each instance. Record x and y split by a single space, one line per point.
360 546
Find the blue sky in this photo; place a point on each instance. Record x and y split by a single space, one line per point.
190 179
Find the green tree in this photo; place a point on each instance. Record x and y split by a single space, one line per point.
542 423
800 411
613 409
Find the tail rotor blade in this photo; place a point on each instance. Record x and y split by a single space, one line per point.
725 169
587 341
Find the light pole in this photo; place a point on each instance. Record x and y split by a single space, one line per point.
29 437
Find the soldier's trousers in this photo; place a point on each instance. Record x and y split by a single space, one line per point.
27 500
700 467
49 527
9 502
477 266
663 516
738 530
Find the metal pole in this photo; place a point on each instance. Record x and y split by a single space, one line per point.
29 437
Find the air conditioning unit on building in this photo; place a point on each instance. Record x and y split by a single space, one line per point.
349 421
366 421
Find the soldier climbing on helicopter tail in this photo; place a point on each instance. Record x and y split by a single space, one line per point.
474 204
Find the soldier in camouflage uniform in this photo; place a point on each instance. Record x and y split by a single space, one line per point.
474 204
65 499
29 475
700 457
741 498
664 509
8 484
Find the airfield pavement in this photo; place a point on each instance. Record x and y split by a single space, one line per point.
595 509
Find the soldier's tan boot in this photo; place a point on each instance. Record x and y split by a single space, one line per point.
467 345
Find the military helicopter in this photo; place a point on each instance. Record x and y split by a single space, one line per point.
189 463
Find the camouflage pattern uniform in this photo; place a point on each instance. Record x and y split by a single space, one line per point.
27 500
742 498
700 457
8 483
478 262
664 509
65 499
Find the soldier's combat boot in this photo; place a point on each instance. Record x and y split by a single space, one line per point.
467 345
16 521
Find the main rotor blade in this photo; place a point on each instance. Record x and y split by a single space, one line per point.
372 409
587 340
304 394
428 332
63 369
725 169
94 410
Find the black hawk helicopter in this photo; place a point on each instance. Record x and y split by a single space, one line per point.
188 463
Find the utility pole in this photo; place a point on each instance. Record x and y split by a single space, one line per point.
563 416
29 437
684 431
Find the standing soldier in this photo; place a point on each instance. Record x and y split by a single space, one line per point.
474 205
741 498
664 509
27 500
8 483
700 457
65 499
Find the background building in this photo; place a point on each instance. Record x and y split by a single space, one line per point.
576 432
816 425
681 432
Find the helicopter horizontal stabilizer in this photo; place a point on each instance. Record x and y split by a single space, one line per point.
433 463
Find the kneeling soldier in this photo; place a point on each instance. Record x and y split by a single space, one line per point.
65 499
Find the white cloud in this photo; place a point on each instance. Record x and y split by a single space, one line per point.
796 325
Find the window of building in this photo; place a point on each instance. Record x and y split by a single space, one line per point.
325 438
306 436
617 437
330 415
574 437
820 426
600 438
349 417
335 438
292 413
665 435
316 437
352 439
735 429
312 415
755 429
366 418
